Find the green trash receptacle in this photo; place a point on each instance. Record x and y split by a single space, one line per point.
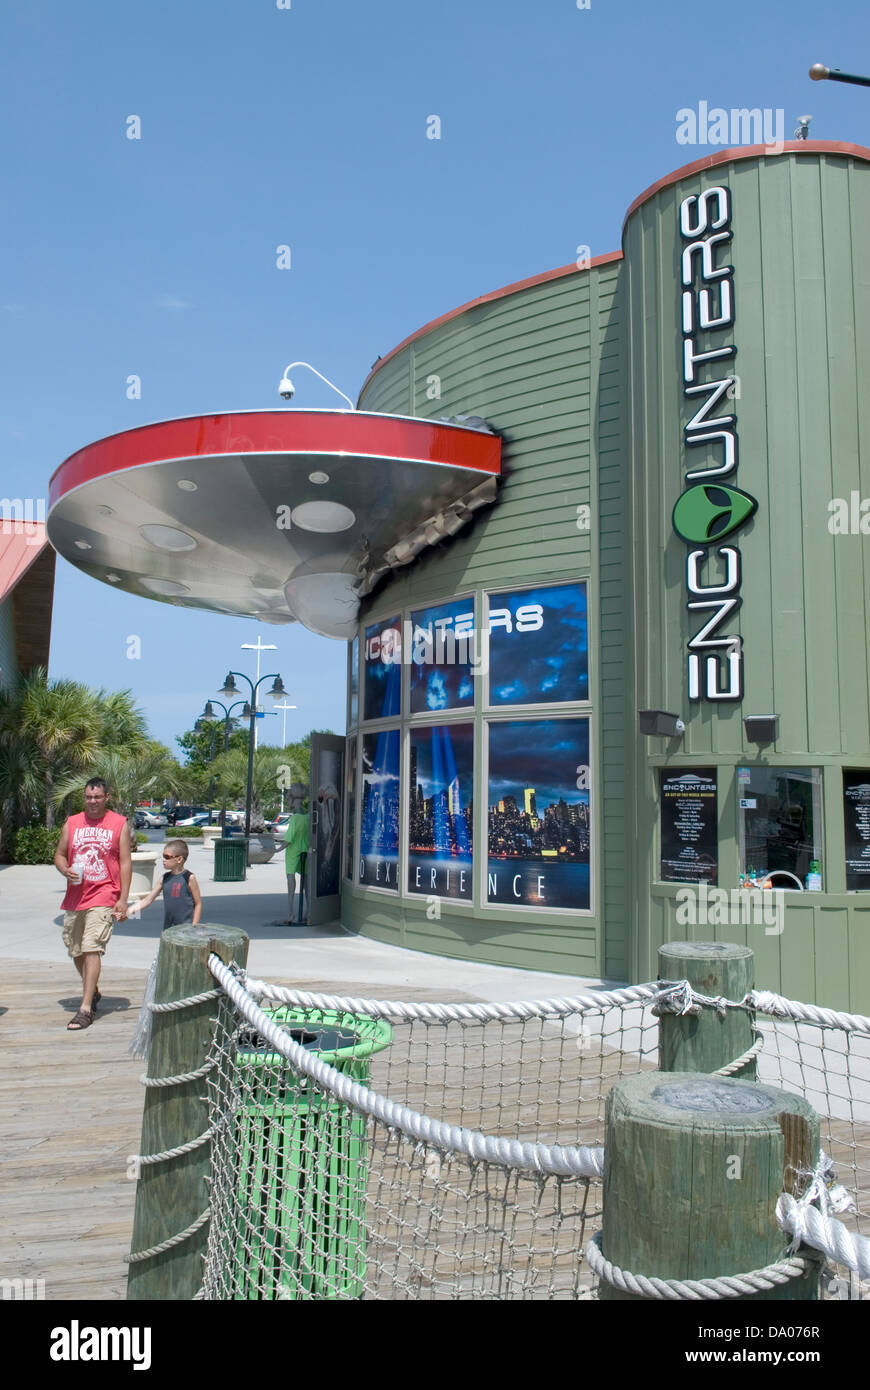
303 1162
231 859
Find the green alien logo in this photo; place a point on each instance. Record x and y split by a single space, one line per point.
707 513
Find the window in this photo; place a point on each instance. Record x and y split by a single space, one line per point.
538 851
441 810
454 761
779 825
379 828
538 651
441 658
382 690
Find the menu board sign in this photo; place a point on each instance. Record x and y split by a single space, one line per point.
856 813
689 839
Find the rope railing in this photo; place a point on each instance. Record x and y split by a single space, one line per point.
436 1174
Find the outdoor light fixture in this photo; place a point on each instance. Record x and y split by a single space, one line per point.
277 689
170 587
761 728
287 390
658 721
208 712
229 686
323 517
167 538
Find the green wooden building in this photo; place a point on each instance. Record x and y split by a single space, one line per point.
679 539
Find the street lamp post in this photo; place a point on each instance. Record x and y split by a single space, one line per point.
276 692
229 718
258 647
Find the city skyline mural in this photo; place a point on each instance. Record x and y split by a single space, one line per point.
538 821
441 811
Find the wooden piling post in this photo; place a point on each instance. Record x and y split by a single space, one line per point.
709 1040
170 1195
693 1169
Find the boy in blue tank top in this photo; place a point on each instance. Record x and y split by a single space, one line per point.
182 900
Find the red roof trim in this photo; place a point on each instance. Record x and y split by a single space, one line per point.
322 432
487 299
731 156
20 546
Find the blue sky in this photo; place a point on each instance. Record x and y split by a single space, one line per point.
307 126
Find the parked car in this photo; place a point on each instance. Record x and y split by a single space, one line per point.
180 814
146 819
280 823
198 818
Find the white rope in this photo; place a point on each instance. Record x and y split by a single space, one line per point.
560 1160
181 1078
775 1004
173 1240
188 1003
725 1286
819 1229
398 1012
743 1060
144 1159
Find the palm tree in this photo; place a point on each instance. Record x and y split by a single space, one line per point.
145 772
59 720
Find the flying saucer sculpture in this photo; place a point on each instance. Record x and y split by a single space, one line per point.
281 515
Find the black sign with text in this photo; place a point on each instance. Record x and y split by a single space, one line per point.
856 814
689 834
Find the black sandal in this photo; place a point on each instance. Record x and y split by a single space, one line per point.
83 1019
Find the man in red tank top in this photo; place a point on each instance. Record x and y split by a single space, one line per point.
93 854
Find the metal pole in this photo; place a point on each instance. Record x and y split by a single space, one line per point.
819 73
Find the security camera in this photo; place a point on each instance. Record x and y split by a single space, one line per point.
286 389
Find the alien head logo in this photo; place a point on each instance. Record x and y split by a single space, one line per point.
708 512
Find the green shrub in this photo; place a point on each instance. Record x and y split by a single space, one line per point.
34 844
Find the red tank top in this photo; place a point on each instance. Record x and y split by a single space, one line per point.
95 845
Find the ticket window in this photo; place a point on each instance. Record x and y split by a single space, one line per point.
780 826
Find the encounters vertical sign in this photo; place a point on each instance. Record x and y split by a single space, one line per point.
710 510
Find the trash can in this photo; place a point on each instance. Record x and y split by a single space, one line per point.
230 859
303 1162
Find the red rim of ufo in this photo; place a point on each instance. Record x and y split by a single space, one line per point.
324 433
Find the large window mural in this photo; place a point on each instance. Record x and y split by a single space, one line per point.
539 814
379 820
538 651
442 656
476 748
440 811
382 687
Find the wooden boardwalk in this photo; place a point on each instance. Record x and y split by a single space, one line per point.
70 1114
